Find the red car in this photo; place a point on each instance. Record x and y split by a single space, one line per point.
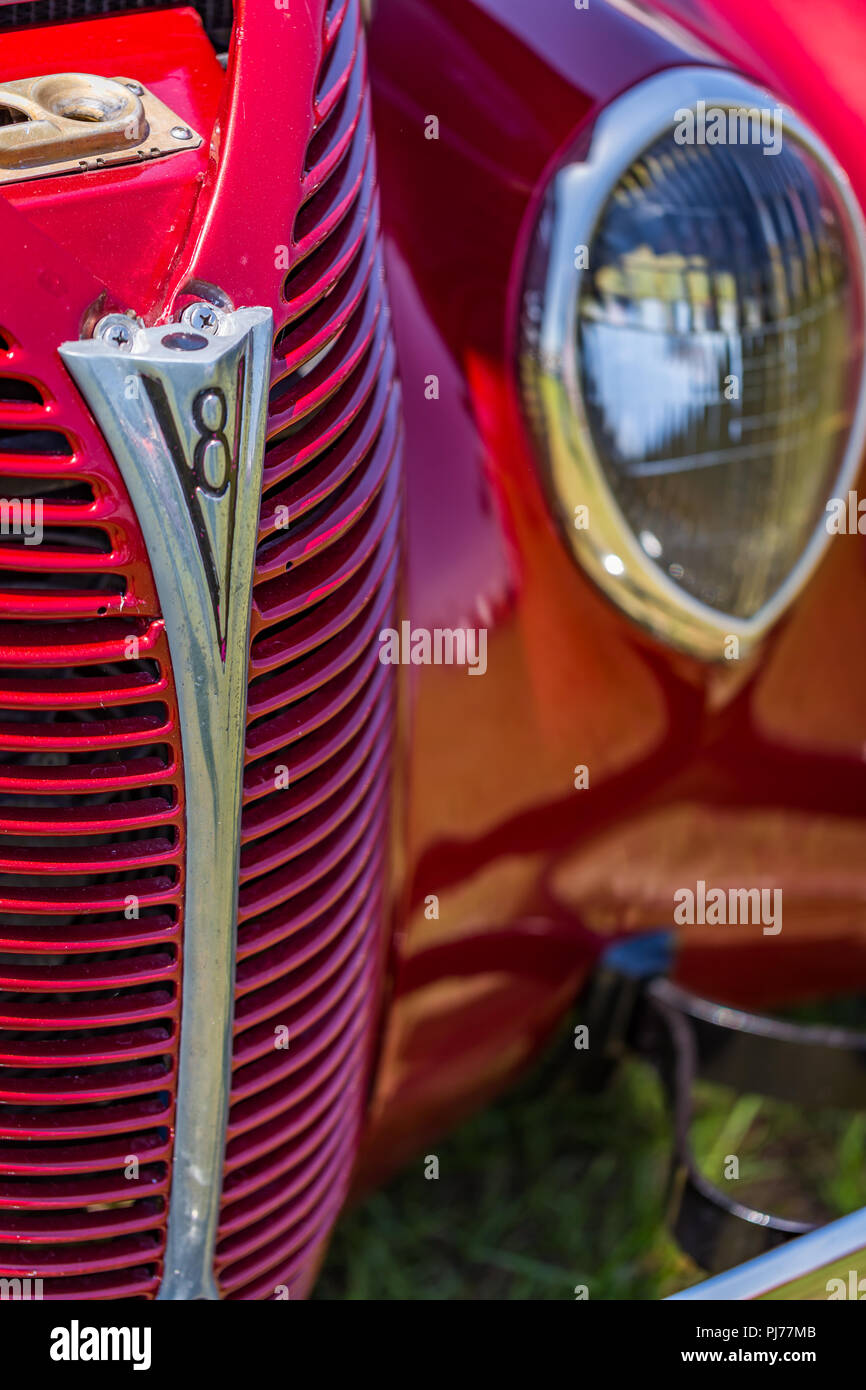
432 583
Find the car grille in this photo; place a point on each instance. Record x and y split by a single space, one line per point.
320 705
91 809
91 788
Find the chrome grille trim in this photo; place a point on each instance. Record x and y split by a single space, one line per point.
155 433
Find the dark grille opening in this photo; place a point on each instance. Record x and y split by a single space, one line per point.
216 15
319 208
13 388
153 1039
160 753
132 995
34 442
107 879
323 266
92 972
79 679
44 1190
87 635
157 878
79 933
84 720
319 145
121 804
325 477
80 582
327 619
143 837
75 539
309 524
160 918
107 1076
58 491
317 370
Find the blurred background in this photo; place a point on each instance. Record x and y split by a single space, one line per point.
553 1188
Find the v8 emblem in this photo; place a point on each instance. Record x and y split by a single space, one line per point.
202 435
187 411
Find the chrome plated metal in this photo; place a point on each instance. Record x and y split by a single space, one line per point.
203 317
184 415
816 1266
116 329
550 358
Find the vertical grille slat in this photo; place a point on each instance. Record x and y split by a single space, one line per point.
320 704
92 806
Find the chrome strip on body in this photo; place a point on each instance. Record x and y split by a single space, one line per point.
800 1269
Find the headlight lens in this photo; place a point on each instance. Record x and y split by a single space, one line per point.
693 359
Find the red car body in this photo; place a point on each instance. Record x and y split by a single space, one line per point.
696 771
504 883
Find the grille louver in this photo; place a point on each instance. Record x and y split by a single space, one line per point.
91 815
91 790
320 704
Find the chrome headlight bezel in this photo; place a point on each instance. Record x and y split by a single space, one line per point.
608 549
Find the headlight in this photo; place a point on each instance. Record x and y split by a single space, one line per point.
692 354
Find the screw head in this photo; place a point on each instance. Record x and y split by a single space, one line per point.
181 132
203 318
116 329
136 88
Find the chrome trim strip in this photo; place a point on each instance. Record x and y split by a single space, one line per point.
797 1270
580 191
184 415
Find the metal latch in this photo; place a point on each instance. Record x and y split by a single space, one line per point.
69 122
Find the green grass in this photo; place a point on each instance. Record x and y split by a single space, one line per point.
553 1187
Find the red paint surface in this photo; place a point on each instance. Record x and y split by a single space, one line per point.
124 224
730 776
746 776
93 814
